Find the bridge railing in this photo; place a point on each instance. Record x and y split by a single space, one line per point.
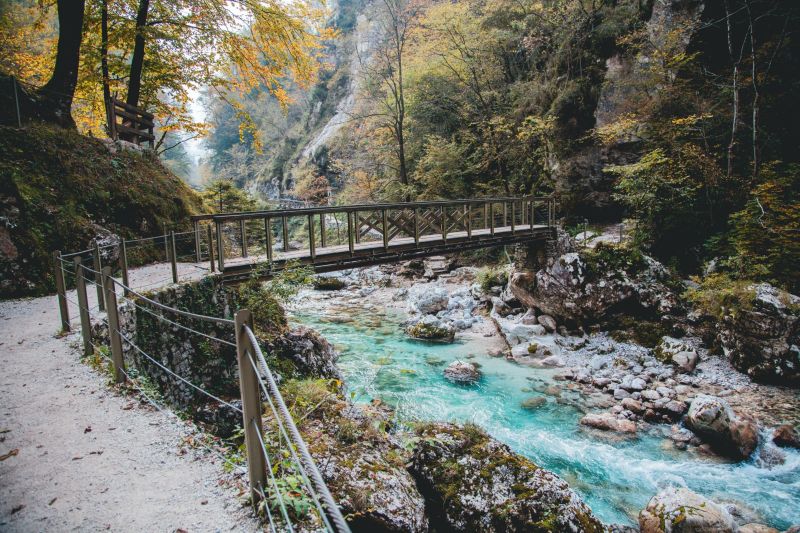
343 229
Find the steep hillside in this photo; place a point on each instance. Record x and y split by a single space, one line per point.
59 190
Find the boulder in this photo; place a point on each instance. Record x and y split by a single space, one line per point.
677 352
474 483
608 422
534 402
462 372
786 436
312 355
431 328
425 299
412 269
757 528
548 322
529 318
500 307
575 289
714 420
679 510
763 339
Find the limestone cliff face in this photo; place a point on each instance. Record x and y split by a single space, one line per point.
580 177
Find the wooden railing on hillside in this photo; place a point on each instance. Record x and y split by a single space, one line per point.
136 125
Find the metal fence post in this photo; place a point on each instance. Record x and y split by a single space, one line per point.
173 257
123 265
83 306
61 290
251 406
113 325
98 277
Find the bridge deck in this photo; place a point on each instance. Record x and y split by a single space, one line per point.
338 257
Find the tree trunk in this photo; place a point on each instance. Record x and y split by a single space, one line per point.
137 61
56 96
104 63
735 90
754 76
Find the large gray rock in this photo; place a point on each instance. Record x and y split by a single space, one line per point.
678 352
474 483
311 353
679 510
714 420
569 290
462 372
425 299
430 327
764 339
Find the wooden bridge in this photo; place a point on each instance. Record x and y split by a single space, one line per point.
341 237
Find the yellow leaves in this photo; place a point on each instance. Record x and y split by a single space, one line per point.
621 129
691 120
27 41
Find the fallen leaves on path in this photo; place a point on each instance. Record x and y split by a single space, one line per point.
12 453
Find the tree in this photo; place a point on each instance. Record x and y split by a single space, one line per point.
137 60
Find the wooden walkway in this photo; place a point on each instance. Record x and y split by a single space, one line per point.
342 237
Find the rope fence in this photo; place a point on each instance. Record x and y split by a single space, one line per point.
279 466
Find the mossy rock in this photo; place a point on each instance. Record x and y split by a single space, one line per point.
534 402
328 283
423 331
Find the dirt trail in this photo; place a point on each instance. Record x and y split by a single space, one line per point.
89 458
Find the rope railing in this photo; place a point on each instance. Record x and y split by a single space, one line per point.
273 457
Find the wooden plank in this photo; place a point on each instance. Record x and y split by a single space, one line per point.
137 118
133 131
135 109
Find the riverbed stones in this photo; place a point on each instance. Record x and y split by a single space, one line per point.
548 322
729 433
677 352
429 327
462 373
608 422
426 299
534 402
786 436
679 510
474 483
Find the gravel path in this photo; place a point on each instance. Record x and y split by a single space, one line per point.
84 457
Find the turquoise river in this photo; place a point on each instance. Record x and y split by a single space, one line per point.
616 478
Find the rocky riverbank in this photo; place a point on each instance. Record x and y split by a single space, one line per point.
671 389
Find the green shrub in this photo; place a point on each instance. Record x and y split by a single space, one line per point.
489 277
719 295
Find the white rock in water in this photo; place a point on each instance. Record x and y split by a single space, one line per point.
548 322
679 509
529 318
427 300
462 372
553 360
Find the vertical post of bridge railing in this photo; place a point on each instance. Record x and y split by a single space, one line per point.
357 222
98 276
416 226
196 225
350 236
210 236
285 229
322 230
61 290
83 306
173 259
385 230
268 237
113 325
220 247
443 219
468 210
312 246
166 242
123 266
505 214
513 216
251 406
532 213
491 218
243 235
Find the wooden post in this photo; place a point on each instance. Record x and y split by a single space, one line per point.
173 257
113 325
197 257
123 266
532 216
385 230
268 236
416 226
350 235
491 218
357 220
243 232
211 249
62 292
220 248
513 216
485 215
83 306
443 218
98 277
468 212
312 246
285 228
550 212
322 230
166 243
251 406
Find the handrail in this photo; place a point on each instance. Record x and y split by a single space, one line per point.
271 388
270 213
